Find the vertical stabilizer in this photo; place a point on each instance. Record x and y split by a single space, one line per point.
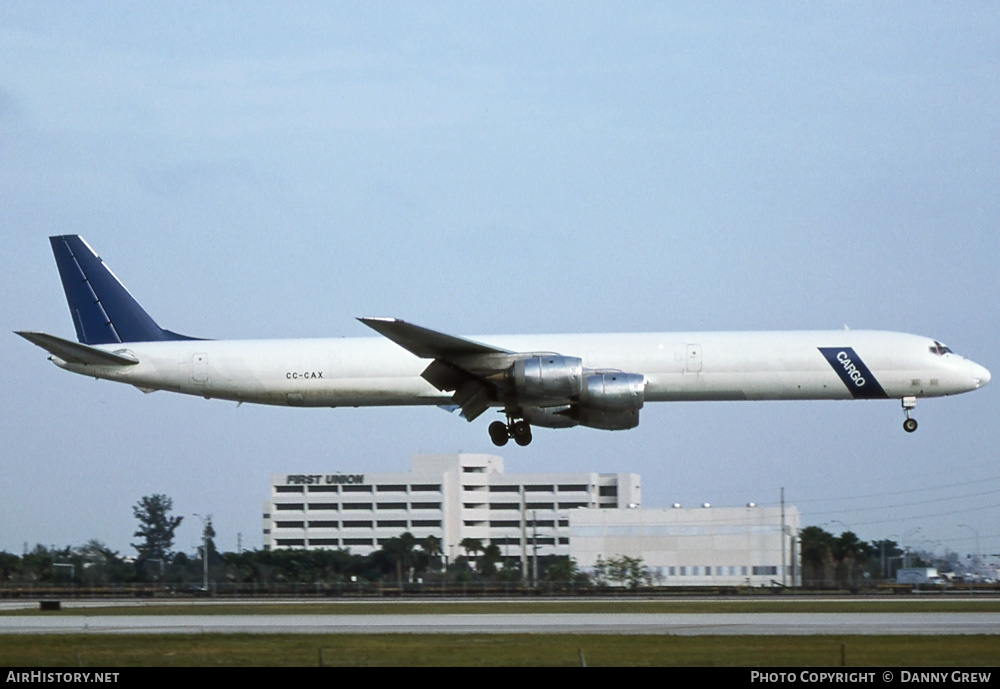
103 310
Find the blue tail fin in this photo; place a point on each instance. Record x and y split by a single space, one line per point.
103 310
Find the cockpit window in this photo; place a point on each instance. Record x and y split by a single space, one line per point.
939 349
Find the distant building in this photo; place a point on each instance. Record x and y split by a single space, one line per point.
452 497
585 515
711 546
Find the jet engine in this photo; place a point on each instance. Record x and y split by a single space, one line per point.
609 401
549 377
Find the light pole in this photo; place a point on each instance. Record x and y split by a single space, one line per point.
930 545
975 560
906 548
204 550
885 562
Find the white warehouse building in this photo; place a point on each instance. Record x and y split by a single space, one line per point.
584 515
711 546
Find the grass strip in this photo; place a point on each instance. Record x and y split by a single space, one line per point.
481 650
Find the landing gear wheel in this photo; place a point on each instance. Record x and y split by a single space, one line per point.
521 432
909 403
499 433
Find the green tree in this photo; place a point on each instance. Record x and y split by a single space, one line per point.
431 547
851 554
887 553
37 564
627 571
488 562
398 551
562 571
816 549
599 575
471 546
99 564
10 566
207 535
156 527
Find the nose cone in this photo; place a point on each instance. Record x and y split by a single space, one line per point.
980 376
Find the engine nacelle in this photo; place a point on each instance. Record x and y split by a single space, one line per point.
551 417
611 401
549 377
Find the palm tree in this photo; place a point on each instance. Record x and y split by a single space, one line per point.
488 562
400 551
816 549
471 546
850 552
432 549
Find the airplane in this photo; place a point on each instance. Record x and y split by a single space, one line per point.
552 381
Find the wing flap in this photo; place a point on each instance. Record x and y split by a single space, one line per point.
473 394
76 353
474 397
445 376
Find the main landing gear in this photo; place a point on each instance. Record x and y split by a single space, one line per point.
909 403
501 432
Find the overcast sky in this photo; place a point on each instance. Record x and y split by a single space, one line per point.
275 170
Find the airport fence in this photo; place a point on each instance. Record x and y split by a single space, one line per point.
473 589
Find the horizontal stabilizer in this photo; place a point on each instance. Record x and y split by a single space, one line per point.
76 353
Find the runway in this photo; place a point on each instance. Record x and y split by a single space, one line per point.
680 624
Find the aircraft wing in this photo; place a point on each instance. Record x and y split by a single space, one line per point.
76 353
427 343
474 371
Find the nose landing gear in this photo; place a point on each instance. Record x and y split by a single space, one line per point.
501 432
909 403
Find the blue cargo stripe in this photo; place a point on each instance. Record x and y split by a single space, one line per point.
858 378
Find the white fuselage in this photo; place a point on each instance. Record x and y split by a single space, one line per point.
676 366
